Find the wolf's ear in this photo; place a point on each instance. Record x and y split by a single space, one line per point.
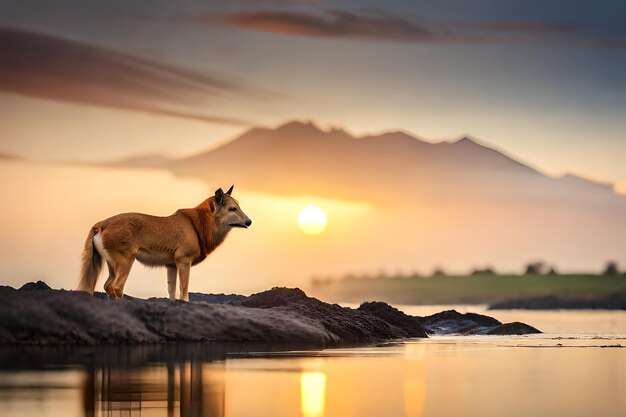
230 190
219 196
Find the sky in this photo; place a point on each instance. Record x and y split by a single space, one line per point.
90 80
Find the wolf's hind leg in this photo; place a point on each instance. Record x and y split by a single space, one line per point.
108 285
122 270
171 281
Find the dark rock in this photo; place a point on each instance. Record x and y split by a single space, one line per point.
105 296
392 315
35 286
279 315
75 318
351 326
66 317
276 297
216 298
513 328
100 295
453 322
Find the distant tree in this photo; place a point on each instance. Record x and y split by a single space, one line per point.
382 274
414 275
611 268
439 272
553 271
535 268
398 275
483 271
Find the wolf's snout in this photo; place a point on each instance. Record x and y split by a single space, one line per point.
248 222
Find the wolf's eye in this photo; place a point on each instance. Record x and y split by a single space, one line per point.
232 209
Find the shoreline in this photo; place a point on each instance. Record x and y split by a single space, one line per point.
37 315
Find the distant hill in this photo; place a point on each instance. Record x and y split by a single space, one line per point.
301 159
514 291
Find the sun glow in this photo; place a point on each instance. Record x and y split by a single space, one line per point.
312 220
312 393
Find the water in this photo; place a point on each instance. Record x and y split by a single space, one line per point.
577 368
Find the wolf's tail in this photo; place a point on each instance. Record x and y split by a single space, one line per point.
91 264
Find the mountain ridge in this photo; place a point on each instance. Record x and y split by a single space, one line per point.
300 158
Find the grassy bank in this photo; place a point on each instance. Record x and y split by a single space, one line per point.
474 289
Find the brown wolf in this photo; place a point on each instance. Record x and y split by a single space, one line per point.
176 242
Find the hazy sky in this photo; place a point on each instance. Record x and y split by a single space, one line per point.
543 80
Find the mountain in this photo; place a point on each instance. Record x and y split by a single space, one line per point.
301 159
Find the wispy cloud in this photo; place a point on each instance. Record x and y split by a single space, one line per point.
49 67
381 26
333 23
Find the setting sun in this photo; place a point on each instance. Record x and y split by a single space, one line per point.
312 220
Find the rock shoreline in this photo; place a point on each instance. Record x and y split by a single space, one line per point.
38 315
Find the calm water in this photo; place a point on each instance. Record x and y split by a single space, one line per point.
576 369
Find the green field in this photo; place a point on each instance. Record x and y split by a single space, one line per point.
474 289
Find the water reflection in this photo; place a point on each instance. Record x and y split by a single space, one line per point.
194 388
320 384
555 375
414 380
153 380
312 393
183 389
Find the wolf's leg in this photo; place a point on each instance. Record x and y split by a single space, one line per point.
171 281
121 275
108 285
183 274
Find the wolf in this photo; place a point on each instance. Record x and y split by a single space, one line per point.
176 242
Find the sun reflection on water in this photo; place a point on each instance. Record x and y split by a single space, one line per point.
313 393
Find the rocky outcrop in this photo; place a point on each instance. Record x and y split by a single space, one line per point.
38 315
396 317
35 286
513 328
453 322
349 325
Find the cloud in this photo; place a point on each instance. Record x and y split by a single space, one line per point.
380 26
54 68
333 23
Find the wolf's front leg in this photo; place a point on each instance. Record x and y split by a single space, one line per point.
183 274
171 282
